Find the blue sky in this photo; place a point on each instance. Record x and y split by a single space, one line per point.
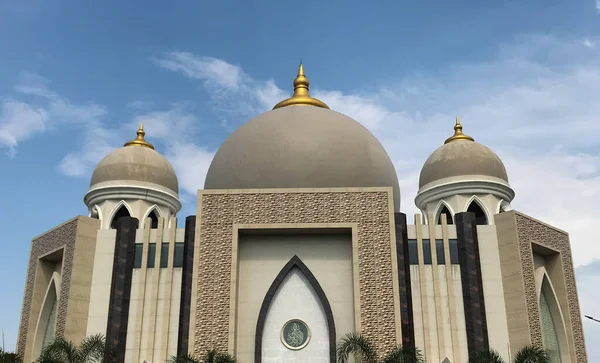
76 77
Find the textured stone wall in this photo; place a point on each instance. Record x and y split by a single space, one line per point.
62 236
531 231
218 212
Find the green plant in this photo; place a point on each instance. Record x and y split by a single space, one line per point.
360 347
211 356
527 354
8 357
94 349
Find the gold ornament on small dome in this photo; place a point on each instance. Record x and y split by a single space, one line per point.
139 140
301 95
458 134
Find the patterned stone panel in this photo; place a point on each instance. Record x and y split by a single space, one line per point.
61 236
369 209
531 231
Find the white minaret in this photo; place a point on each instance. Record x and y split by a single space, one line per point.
463 175
135 181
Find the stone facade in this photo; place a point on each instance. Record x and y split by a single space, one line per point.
63 236
370 208
532 232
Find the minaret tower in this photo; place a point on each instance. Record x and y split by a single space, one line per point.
133 181
463 175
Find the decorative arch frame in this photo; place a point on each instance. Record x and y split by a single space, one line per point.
116 209
294 262
542 280
42 322
475 199
438 209
154 207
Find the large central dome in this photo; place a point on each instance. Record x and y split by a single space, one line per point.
302 144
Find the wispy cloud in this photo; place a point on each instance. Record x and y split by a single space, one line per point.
20 120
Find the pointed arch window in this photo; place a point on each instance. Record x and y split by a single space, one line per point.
294 264
445 211
153 219
549 324
480 217
122 212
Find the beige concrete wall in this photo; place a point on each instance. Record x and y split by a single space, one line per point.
493 290
101 280
154 300
261 258
81 279
438 312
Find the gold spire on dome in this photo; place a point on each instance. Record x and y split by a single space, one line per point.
139 140
458 134
301 95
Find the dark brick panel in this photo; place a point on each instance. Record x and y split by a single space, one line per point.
186 286
294 262
120 288
406 308
472 285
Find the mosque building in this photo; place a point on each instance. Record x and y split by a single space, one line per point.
298 240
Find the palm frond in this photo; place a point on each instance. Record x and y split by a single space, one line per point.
60 350
185 358
406 354
532 354
354 344
91 349
485 356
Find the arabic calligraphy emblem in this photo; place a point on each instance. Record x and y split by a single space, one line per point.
295 334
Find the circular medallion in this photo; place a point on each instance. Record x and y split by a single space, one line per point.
295 334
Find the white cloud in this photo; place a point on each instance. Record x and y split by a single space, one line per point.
588 43
18 122
598 6
208 69
176 128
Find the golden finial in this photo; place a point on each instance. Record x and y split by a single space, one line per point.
139 140
301 95
458 134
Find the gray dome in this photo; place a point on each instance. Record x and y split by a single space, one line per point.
302 146
137 164
462 157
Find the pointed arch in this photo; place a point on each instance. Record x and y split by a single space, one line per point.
153 213
46 325
122 209
476 206
443 208
294 262
552 321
